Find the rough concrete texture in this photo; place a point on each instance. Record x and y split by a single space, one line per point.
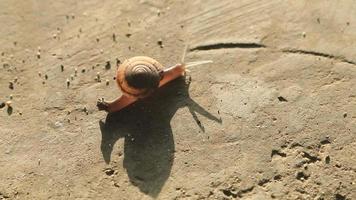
274 117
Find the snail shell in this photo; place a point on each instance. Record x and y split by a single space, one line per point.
139 76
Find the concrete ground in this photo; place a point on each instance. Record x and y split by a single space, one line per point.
274 117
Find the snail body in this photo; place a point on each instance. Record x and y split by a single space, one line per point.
139 76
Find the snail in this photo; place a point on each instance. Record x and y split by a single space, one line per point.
138 77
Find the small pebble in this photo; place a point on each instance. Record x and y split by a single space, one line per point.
108 65
39 74
68 83
8 103
128 35
118 62
11 85
97 39
83 70
15 79
98 77
304 34
160 43
46 76
2 105
72 77
107 82
62 68
10 96
114 37
38 55
327 159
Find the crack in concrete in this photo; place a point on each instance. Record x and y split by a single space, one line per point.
229 45
253 45
319 54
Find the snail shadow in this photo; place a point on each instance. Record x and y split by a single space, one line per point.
149 143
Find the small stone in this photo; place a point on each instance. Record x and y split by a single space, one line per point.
2 105
97 39
109 172
107 82
46 76
8 103
118 62
160 43
15 79
68 83
10 96
38 55
327 159
83 70
75 70
85 109
98 77
304 34
345 115
58 124
11 85
280 98
128 35
39 74
101 51
62 68
39 161
108 65
9 110
71 77
114 37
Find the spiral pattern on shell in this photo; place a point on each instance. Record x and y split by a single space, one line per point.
139 76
